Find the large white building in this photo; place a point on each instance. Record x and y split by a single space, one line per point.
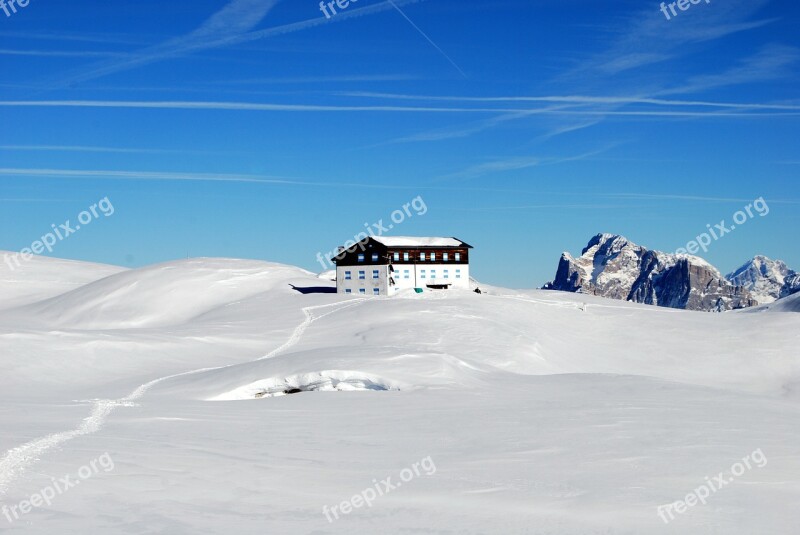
380 265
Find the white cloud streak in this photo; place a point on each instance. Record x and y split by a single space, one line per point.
61 53
516 164
648 196
579 100
230 26
236 18
83 148
274 107
646 37
268 180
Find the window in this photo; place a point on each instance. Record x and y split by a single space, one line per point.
361 258
433 257
362 275
458 273
446 274
422 274
422 257
396 257
348 275
445 257
405 257
458 257
405 273
376 274
376 291
348 291
433 273
374 257
362 291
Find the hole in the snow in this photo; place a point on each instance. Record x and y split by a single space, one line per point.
323 381
328 381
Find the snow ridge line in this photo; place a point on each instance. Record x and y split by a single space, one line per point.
566 304
16 460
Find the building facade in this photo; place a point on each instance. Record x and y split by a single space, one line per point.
380 265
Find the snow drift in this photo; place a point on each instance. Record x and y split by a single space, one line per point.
596 411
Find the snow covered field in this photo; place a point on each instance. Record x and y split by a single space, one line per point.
526 413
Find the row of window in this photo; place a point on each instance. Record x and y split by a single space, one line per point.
348 275
362 291
433 274
362 275
423 273
422 257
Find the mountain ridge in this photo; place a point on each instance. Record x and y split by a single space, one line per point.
612 266
768 280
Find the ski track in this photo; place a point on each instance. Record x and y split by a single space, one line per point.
18 459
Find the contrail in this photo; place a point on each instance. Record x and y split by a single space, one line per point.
453 63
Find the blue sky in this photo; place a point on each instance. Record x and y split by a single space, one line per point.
263 129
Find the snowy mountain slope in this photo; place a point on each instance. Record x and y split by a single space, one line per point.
785 304
557 412
791 285
158 296
527 338
167 317
41 277
788 304
612 266
766 279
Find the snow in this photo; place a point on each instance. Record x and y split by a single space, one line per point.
409 241
763 277
544 412
328 275
787 304
44 277
697 261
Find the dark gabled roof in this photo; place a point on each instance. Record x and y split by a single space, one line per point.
413 241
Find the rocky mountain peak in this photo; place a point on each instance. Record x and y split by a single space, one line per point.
612 266
767 279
